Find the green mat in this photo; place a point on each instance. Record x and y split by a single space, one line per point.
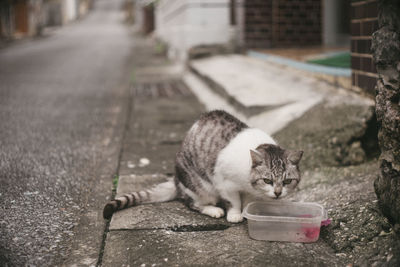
341 60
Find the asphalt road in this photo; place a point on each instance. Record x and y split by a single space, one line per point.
63 102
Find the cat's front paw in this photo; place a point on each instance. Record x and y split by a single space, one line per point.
234 217
213 211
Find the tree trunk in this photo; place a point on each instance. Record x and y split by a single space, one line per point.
386 53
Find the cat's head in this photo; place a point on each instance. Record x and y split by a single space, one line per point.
275 171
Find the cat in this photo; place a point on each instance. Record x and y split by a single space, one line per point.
220 159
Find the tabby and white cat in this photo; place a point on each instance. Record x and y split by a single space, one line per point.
221 158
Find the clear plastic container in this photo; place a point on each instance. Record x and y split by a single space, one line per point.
284 220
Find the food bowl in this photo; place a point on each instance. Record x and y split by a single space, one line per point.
285 221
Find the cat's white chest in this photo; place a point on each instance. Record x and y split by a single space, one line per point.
233 163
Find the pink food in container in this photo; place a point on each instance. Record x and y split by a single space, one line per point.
285 221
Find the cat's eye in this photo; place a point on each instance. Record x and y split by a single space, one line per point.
287 181
268 181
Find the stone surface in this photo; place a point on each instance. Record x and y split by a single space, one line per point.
265 95
386 49
157 127
230 247
255 116
171 215
331 133
251 82
359 232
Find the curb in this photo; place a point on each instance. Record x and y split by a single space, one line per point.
247 111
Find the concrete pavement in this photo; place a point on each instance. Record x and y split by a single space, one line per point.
259 90
336 131
63 106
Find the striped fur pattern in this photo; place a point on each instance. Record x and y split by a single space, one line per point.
221 158
159 193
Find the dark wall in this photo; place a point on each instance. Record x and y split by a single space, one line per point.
279 23
364 21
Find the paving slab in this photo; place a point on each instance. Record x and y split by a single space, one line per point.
170 215
157 128
253 82
268 120
274 120
267 96
229 247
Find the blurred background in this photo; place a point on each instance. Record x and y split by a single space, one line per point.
325 32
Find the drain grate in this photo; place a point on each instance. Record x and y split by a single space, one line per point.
165 89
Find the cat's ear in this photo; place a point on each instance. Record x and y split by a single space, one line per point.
295 156
256 158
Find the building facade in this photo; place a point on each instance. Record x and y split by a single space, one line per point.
184 24
250 24
296 23
21 18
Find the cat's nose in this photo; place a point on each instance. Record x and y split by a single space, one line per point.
277 194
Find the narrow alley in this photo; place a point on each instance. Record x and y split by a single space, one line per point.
63 101
97 107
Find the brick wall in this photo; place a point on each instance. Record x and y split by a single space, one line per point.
364 21
258 23
277 23
297 22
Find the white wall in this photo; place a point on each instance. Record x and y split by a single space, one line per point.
71 9
35 17
183 24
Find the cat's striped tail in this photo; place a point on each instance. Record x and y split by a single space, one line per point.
162 192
